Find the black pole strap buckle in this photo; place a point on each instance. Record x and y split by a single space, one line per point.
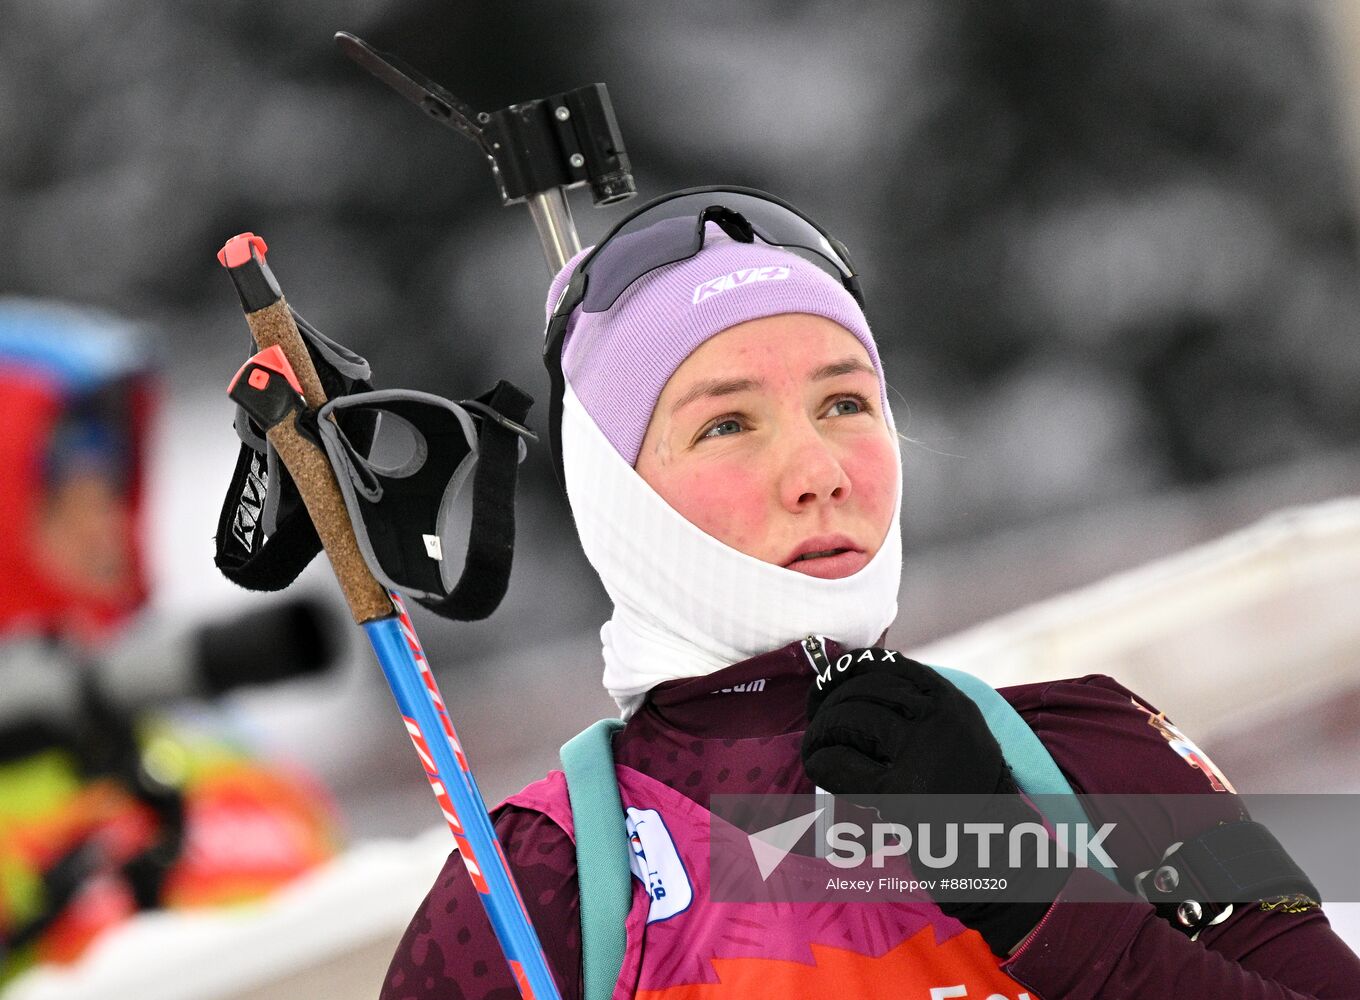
499 418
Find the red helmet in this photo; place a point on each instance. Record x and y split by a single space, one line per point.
76 398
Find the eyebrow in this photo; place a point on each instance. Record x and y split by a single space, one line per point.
849 366
715 387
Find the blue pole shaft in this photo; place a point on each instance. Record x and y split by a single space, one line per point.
427 721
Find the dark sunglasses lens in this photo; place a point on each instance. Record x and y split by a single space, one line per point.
670 232
637 250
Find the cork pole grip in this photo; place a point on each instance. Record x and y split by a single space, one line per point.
368 599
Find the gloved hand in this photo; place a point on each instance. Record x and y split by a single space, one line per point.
887 725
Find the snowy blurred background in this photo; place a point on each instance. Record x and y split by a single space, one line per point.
1109 248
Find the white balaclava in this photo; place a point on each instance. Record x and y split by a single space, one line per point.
686 604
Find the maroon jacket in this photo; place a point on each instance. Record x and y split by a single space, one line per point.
1102 737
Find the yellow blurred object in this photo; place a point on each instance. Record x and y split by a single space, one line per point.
248 829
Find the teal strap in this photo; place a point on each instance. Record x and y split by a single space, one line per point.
602 853
1029 760
603 874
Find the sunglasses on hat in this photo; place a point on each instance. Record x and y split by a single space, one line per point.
665 231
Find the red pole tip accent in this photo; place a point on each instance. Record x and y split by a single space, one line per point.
236 251
273 359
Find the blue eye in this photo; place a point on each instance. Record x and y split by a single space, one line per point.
723 428
854 403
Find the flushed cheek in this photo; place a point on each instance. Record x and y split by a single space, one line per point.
873 474
728 502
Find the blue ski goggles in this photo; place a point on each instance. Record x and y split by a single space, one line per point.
665 231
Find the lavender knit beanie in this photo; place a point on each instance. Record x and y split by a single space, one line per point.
618 361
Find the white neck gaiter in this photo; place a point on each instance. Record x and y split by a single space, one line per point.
686 604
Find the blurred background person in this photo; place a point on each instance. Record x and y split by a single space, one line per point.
104 808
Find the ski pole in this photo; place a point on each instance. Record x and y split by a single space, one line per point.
272 387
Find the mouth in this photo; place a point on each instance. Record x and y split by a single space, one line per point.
828 558
820 555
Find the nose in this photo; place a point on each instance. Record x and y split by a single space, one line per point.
812 474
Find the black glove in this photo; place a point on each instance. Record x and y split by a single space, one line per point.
887 725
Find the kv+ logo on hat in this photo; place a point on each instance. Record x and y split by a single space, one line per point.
746 276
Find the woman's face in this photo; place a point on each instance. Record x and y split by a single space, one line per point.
770 438
83 538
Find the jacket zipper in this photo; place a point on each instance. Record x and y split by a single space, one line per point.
814 646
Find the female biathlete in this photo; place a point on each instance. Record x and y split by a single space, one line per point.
721 421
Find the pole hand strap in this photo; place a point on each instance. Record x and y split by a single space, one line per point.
1199 881
403 513
265 536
